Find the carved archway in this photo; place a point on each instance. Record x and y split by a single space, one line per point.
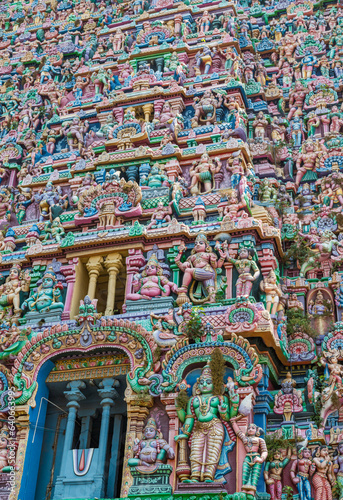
237 352
128 337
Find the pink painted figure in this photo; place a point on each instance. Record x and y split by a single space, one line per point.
247 270
151 283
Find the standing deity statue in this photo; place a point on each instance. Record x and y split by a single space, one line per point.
323 479
199 267
205 427
273 293
15 283
247 270
256 454
300 473
272 474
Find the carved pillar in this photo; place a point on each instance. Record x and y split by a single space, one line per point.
69 273
94 266
113 264
134 262
137 412
178 20
108 393
169 401
147 110
228 273
267 260
74 395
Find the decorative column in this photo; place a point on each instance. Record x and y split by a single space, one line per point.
74 395
94 266
137 412
108 393
69 273
169 401
134 262
147 110
113 264
266 259
173 170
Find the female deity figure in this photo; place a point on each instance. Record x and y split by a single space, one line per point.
323 478
151 283
272 474
245 267
203 425
200 266
10 291
256 454
300 473
152 449
273 293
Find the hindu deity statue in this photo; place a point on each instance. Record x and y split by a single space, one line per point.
163 327
320 312
156 177
273 293
10 292
204 424
260 125
48 198
205 108
151 283
288 400
267 192
160 217
273 471
199 267
248 271
203 172
323 478
54 231
306 161
152 449
256 455
47 297
75 133
300 473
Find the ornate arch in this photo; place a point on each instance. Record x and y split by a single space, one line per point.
132 339
237 352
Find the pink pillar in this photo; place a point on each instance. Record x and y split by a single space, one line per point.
69 273
169 402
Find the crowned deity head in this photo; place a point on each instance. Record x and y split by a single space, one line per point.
204 382
153 267
150 430
201 244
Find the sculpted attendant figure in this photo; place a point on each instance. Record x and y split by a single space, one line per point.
323 478
247 270
152 449
256 454
300 473
273 472
203 424
200 266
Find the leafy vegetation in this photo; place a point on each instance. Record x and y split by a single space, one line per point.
194 328
217 365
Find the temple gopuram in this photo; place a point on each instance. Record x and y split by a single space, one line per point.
171 250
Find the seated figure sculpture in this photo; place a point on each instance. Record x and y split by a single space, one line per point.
48 296
151 283
151 449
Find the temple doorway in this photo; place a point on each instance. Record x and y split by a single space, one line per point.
84 427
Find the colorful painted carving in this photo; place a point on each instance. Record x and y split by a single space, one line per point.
171 249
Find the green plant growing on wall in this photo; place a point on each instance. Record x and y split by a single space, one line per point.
288 492
275 443
182 400
299 251
194 328
217 365
298 321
